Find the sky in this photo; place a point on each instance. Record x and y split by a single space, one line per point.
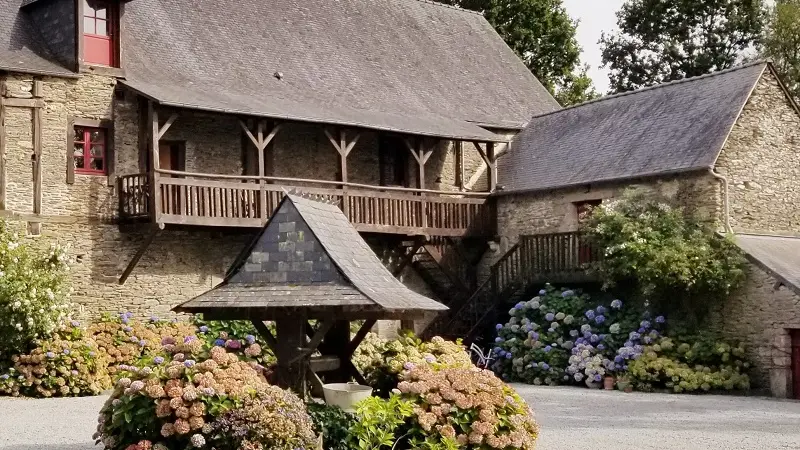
595 16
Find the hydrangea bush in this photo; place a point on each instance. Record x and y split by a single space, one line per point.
69 364
34 292
466 408
191 397
562 337
382 361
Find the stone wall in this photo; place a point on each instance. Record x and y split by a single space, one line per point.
760 315
761 160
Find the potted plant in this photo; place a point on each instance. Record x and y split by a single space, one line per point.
594 382
608 382
624 384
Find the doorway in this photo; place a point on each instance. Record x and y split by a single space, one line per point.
796 363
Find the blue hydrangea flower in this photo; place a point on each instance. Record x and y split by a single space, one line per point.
634 336
4 377
601 309
519 305
66 351
545 366
497 350
250 339
549 317
601 347
158 360
188 363
587 335
660 319
509 355
498 326
594 338
498 339
547 349
142 343
567 293
645 324
219 342
590 314
542 292
618 359
598 377
600 319
204 329
50 355
535 336
616 304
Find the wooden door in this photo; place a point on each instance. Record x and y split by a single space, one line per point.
796 363
584 210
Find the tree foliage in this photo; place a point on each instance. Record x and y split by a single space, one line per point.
543 35
660 41
782 42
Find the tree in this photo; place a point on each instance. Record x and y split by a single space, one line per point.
543 35
660 40
782 42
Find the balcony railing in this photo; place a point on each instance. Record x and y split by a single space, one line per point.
184 198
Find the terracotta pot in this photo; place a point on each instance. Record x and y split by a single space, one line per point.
628 389
608 383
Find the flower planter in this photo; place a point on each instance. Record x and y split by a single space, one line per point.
624 386
608 383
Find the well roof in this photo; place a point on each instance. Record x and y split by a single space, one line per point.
309 257
669 128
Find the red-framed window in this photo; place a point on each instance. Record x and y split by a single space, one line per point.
99 31
90 152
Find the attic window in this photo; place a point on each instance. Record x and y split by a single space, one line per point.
99 32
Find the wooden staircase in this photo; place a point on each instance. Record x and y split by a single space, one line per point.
533 261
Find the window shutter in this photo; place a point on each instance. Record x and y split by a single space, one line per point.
71 152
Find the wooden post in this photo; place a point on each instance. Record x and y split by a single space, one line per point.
34 228
344 148
421 156
261 142
152 116
2 144
291 336
459 157
492 174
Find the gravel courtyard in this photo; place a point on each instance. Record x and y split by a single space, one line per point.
570 418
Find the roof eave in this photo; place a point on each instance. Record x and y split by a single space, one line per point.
48 73
605 180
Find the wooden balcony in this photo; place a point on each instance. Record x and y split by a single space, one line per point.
193 199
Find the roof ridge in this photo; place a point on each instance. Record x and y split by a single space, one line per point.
654 87
444 5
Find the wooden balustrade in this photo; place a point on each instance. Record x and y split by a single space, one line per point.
194 199
557 253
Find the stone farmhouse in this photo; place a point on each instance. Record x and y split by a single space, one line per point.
157 140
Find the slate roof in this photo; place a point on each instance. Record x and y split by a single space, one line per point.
310 257
670 128
777 255
398 65
21 46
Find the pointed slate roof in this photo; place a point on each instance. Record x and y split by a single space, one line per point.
779 256
665 129
21 46
310 257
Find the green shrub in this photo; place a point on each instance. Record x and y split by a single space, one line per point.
684 367
333 424
34 293
380 423
677 263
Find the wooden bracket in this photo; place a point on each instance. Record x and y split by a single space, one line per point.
266 334
163 129
342 145
312 345
259 140
135 261
360 335
407 258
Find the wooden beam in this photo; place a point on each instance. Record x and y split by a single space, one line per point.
459 157
312 345
266 334
492 175
2 144
360 335
38 124
155 199
352 144
163 130
249 133
482 153
139 253
333 140
23 102
407 259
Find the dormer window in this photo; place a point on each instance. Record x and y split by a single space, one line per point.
99 32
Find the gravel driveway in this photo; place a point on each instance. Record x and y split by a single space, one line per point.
593 419
570 418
